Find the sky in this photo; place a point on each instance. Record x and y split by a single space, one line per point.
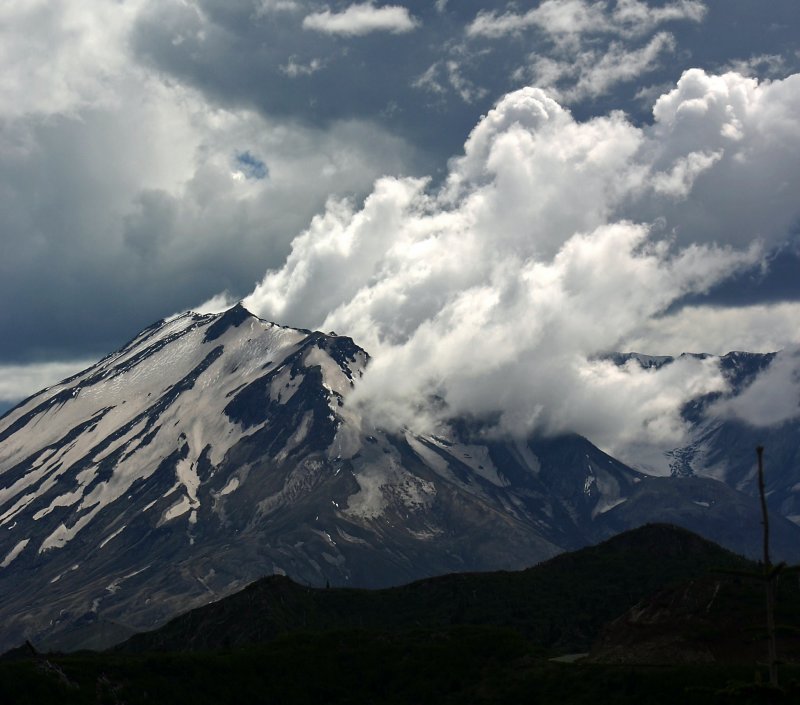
487 197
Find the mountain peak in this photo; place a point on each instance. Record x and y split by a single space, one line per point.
232 318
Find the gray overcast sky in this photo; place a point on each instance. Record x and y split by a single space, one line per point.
156 154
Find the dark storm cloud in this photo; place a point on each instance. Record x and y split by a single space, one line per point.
110 222
431 84
240 58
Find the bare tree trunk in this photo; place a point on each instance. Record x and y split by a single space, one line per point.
769 577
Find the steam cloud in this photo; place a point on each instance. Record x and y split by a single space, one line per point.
551 242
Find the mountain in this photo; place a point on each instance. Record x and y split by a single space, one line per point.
722 448
212 450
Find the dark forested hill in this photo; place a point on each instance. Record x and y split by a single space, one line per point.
560 604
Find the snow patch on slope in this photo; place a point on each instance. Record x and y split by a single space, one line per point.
111 537
13 553
334 379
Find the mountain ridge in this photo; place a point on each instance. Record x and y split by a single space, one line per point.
213 449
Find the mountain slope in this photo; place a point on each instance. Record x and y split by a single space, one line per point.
205 454
212 450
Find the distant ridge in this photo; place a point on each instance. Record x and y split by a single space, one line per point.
560 604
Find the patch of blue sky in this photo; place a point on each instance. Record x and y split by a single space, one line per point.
251 166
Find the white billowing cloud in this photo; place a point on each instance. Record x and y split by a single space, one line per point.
566 20
497 293
20 381
329 261
360 19
679 180
533 176
521 342
772 398
752 133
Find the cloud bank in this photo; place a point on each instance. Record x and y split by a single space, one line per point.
551 242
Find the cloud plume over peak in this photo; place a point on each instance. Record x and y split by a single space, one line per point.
550 242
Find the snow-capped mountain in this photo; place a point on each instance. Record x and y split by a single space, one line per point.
214 449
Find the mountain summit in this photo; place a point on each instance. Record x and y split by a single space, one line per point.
212 450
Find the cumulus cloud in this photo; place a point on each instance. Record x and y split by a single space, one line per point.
749 129
360 19
567 20
679 180
497 294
